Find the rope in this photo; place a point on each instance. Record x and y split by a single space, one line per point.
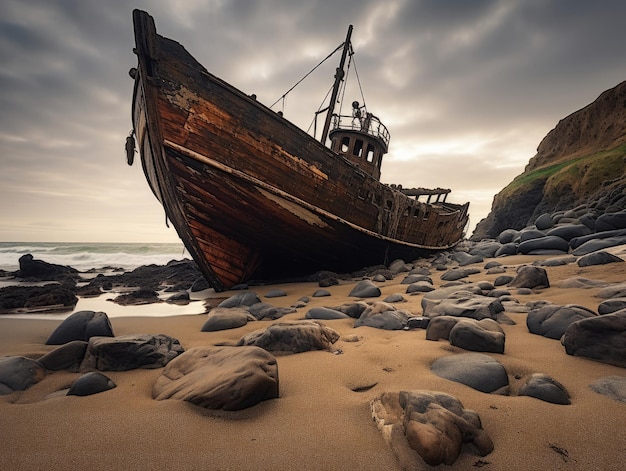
309 73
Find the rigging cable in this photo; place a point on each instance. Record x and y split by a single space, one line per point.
309 73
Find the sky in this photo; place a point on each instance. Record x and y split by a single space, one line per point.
467 89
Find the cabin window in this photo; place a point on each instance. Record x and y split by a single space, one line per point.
345 144
389 204
358 148
370 153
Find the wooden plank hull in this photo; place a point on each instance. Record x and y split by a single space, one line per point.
250 194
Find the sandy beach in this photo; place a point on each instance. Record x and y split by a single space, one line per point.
322 420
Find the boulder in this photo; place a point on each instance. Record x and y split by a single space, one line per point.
507 236
382 315
431 423
478 336
417 322
598 258
50 297
552 320
275 293
128 352
34 269
507 249
415 278
292 337
611 221
599 244
353 310
90 383
463 304
81 325
439 327
420 287
569 231
544 387
551 244
611 305
395 298
617 290
485 249
66 357
459 273
18 373
476 370
265 311
244 298
613 387
226 378
530 277
223 318
544 222
601 338
325 313
365 289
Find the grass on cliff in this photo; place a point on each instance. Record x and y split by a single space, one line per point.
581 175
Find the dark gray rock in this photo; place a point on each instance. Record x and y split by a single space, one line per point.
320 293
544 222
589 220
598 258
410 279
551 243
611 221
530 277
33 269
379 278
463 304
325 313
265 311
51 297
555 262
569 231
503 280
382 315
473 259
292 337
245 298
128 352
507 236
440 327
478 336
552 320
544 387
492 264
578 241
459 273
507 249
220 378
427 427
394 298
18 373
599 244
530 234
365 289
485 249
617 290
81 325
420 287
353 310
224 318
611 386
275 293
418 322
601 338
399 266
66 357
476 370
90 383
611 305
182 297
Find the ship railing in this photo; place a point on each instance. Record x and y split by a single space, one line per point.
369 124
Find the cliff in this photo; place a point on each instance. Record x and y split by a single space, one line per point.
580 163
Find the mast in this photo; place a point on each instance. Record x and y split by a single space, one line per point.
338 78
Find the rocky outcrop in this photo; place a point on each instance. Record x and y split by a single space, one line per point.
580 163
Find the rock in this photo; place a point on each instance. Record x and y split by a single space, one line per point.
439 327
18 373
581 283
552 320
544 387
611 386
399 266
353 310
182 297
138 297
379 278
292 337
485 249
34 269
325 313
264 311
52 297
551 243
476 370
223 318
383 316
410 279
503 280
275 293
473 259
128 352
507 249
66 357
530 233
611 221
463 304
459 273
395 298
320 293
245 298
419 287
418 322
81 325
433 424
530 277
611 305
599 244
569 231
601 338
596 236
556 261
598 258
478 336
365 289
617 290
90 383
544 222
226 378
507 236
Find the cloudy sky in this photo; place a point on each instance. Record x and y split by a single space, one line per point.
467 88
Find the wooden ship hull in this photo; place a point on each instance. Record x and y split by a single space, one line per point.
252 195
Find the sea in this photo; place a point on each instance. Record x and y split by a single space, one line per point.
100 257
85 256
